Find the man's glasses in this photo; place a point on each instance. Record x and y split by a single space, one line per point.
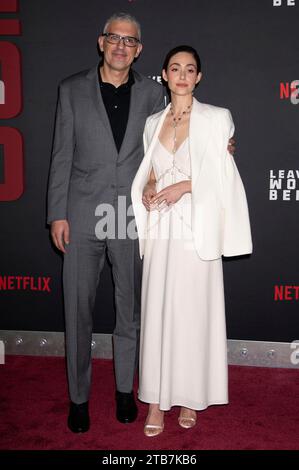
129 41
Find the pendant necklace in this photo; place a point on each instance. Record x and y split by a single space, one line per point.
175 122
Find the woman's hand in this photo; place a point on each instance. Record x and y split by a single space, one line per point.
149 192
172 194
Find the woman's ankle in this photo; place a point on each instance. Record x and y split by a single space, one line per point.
187 411
154 408
155 413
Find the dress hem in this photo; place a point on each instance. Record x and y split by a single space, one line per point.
185 405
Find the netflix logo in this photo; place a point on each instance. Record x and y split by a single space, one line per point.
289 91
31 283
286 293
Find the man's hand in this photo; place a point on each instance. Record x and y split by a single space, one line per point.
231 146
148 193
60 233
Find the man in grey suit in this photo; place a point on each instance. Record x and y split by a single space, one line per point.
97 150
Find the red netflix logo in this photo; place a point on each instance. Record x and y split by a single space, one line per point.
290 91
40 283
286 293
11 139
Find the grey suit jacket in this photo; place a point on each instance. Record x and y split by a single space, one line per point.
86 168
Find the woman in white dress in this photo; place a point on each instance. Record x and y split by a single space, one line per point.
190 209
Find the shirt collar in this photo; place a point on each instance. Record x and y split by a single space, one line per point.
124 87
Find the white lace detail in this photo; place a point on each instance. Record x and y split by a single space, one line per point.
173 174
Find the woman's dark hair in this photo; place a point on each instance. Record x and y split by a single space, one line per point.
183 48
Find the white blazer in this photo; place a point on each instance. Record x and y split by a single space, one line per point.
219 212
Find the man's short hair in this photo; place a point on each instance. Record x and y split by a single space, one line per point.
123 17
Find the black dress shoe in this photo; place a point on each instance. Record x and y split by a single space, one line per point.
126 409
78 420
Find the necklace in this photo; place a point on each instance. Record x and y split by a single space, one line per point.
175 122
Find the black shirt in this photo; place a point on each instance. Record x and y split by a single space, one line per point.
117 104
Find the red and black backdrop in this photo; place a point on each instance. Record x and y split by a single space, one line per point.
249 51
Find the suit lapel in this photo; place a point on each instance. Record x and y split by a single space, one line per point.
156 126
199 132
136 102
153 130
96 97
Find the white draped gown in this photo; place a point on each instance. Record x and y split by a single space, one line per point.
183 355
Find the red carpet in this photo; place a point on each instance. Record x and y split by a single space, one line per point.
263 412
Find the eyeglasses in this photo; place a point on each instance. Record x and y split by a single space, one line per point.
129 41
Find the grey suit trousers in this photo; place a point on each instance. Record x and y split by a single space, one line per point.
83 263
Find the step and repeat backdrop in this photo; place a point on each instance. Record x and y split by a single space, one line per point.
250 60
